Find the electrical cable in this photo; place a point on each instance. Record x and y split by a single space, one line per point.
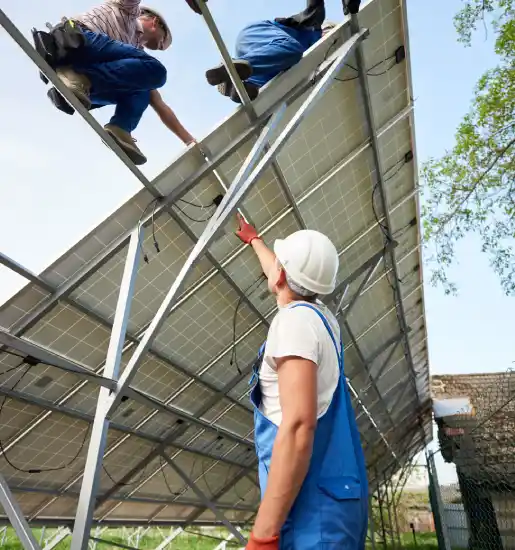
368 73
247 292
156 245
15 354
194 219
195 205
37 470
118 483
173 493
154 202
32 362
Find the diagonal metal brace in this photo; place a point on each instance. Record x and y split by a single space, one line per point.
205 500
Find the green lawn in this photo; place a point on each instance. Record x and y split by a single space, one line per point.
151 540
425 541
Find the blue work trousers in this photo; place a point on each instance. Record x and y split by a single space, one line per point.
120 75
272 48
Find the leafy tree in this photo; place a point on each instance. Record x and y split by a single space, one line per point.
472 187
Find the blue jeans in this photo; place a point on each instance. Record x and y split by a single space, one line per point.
120 75
272 48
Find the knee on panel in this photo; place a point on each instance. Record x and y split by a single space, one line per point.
158 74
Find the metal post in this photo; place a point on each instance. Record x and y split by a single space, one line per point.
389 511
205 500
42 535
170 538
381 517
100 428
396 519
371 523
15 515
4 535
61 534
236 193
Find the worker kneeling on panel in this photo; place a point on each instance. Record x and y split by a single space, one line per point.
107 65
266 48
312 470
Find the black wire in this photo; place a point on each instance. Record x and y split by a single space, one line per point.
193 219
195 205
124 484
234 358
369 69
33 362
156 244
15 354
387 239
37 470
373 66
173 493
16 367
315 74
154 202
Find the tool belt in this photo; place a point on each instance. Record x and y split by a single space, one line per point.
56 44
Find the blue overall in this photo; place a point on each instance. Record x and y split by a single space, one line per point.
120 75
331 509
272 48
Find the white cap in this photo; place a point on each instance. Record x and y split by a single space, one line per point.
168 33
310 259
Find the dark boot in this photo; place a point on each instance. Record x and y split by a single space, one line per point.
219 74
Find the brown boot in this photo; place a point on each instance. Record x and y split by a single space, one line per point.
76 83
127 143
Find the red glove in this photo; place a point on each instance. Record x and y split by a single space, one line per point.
271 543
194 5
246 232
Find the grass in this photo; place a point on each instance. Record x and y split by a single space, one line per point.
425 541
150 541
186 541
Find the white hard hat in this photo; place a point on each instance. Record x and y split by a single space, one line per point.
310 259
168 33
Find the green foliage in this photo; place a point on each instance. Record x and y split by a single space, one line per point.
150 540
472 188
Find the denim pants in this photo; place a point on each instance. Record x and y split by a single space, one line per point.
272 48
120 75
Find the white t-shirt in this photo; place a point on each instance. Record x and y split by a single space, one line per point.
299 332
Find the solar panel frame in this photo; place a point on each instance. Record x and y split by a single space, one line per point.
73 281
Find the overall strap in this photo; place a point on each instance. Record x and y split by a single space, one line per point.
339 349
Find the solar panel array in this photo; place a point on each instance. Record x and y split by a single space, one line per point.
191 394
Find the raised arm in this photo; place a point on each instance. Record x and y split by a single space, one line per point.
169 119
248 234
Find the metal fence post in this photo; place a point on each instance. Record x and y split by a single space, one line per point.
435 499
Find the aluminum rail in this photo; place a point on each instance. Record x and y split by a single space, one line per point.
365 91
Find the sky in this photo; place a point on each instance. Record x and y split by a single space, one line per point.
59 180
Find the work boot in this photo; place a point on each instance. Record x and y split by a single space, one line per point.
228 90
127 143
77 83
219 74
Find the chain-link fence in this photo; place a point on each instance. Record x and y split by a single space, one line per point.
478 511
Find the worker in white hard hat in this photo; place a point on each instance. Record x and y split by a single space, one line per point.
112 68
314 490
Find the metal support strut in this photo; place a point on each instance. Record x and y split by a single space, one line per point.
98 439
15 515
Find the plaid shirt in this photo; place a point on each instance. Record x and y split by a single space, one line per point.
116 18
